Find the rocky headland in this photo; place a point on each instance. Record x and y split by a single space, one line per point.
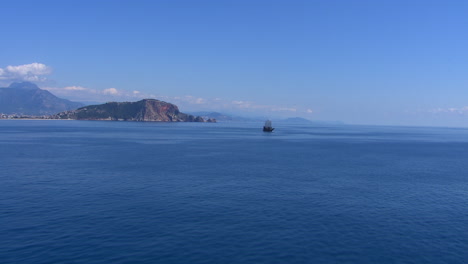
151 110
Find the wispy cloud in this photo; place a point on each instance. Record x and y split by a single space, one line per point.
80 93
34 72
451 110
75 88
188 102
219 104
248 105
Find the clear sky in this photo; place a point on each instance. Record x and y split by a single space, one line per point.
362 62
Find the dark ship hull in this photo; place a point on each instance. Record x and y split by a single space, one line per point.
267 127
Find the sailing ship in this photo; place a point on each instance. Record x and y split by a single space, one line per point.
267 127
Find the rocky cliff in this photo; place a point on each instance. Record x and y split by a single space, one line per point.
144 110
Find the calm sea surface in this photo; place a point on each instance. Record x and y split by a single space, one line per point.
129 192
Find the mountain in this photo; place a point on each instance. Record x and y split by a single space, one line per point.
144 110
28 99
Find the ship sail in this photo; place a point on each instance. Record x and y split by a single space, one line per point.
267 127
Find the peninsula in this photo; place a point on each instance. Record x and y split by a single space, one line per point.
150 110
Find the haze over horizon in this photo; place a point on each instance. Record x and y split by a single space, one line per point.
360 62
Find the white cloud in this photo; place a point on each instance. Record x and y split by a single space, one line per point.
33 72
75 88
286 109
33 68
111 91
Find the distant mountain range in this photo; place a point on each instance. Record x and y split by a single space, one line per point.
28 99
144 110
223 117
296 120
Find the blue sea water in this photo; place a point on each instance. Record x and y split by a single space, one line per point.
130 192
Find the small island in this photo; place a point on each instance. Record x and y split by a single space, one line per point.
149 110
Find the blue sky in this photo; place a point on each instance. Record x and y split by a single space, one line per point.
361 62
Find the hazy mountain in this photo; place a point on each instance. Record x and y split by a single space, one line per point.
225 117
144 110
297 120
26 98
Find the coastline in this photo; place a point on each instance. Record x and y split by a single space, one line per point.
39 119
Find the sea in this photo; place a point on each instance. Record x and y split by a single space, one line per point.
141 192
